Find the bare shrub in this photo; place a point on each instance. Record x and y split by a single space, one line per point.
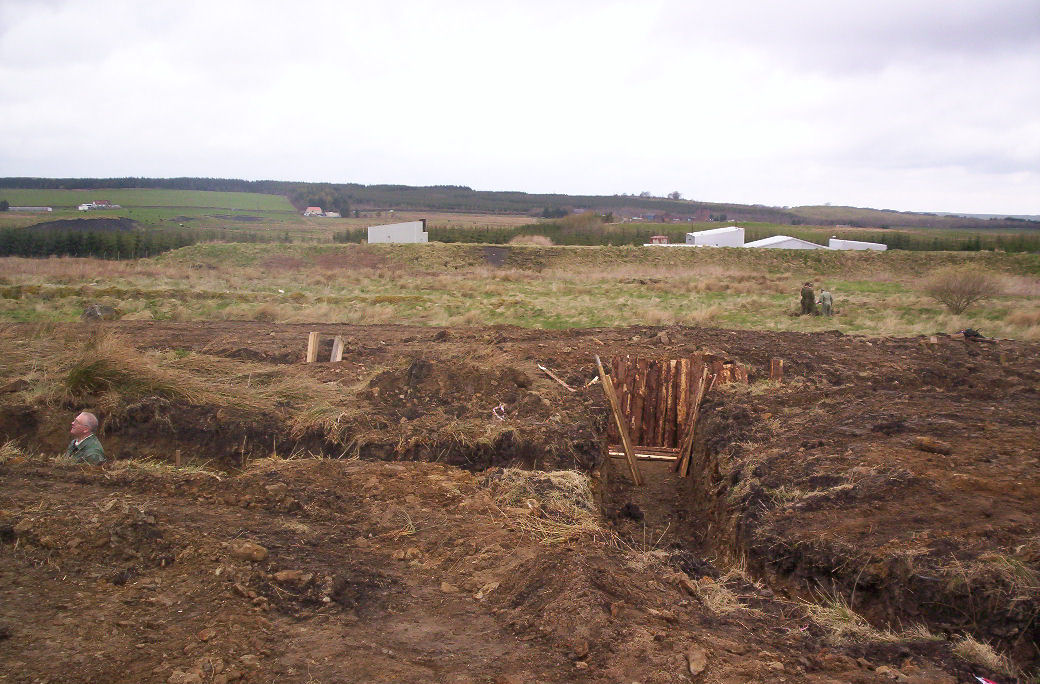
958 287
538 240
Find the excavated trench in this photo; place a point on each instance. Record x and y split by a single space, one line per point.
721 515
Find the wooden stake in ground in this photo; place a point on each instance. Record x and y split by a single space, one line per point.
337 350
312 347
556 378
776 369
619 420
686 450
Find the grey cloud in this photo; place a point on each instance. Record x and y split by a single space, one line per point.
834 36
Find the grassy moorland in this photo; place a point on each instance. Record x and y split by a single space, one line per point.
137 197
547 287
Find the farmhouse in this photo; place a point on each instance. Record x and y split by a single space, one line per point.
98 204
313 211
835 243
784 242
727 236
411 231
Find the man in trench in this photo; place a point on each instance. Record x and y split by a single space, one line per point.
85 446
808 299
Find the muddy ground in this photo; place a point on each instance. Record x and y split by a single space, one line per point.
896 475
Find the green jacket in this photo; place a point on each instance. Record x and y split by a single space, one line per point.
88 451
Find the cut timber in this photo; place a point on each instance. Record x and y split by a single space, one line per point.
608 389
639 400
337 350
312 347
668 436
643 455
686 452
556 378
776 369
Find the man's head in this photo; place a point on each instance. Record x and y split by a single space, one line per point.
83 425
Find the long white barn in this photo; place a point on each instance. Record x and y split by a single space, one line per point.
727 236
835 243
409 231
784 242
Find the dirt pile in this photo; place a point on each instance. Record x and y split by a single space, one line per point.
317 570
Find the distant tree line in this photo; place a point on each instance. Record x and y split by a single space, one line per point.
460 198
103 244
111 244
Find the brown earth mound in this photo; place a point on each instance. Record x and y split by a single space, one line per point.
893 476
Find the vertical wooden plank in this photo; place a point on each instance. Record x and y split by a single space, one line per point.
776 369
312 347
662 403
653 375
669 413
337 350
686 449
625 391
682 396
608 389
638 399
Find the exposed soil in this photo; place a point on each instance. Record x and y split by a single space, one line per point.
830 484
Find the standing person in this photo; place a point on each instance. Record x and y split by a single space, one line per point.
826 302
85 446
808 299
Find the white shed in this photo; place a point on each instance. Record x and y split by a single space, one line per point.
412 231
727 236
835 243
784 242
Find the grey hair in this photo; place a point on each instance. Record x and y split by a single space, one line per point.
90 421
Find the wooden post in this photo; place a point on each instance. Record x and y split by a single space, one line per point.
177 458
312 347
668 436
638 401
608 389
653 375
686 451
776 369
337 350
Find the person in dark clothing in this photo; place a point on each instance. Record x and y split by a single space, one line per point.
85 446
808 299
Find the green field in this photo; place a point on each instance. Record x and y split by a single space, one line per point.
876 293
131 198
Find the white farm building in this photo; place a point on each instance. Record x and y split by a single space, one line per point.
784 242
412 231
728 236
835 243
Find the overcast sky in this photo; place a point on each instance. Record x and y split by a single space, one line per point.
921 105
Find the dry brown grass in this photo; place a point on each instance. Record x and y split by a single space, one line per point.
539 240
842 624
556 506
981 653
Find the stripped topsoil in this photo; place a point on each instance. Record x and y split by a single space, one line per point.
832 487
